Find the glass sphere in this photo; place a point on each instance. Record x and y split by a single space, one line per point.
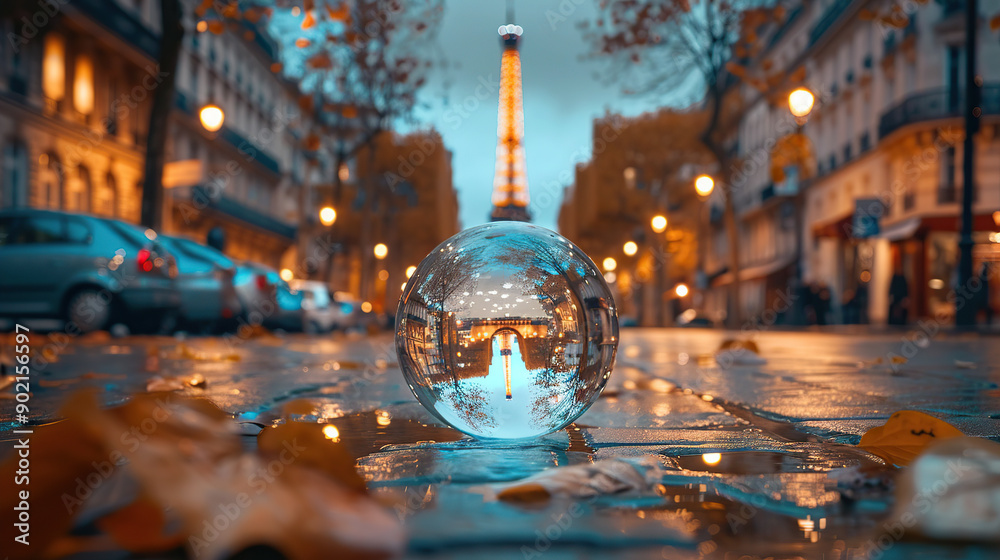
507 330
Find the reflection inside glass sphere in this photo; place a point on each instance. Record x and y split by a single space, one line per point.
507 330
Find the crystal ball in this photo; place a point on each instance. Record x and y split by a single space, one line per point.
507 330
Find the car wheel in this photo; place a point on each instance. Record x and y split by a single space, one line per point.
88 310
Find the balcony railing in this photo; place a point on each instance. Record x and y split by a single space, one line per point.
830 16
933 105
203 197
121 23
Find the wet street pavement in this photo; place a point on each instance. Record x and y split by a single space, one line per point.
759 458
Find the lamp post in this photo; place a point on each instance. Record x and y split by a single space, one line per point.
327 216
211 117
965 315
704 185
800 104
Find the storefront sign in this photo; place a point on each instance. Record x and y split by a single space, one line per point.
867 214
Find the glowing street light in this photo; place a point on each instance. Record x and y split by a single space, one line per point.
704 185
658 223
286 275
610 264
380 251
681 290
327 215
800 102
630 248
410 270
211 117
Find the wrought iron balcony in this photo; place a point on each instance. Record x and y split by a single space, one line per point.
120 22
933 105
203 197
829 17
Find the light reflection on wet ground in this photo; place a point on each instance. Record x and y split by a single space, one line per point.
754 456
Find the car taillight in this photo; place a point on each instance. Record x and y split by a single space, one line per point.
143 260
262 283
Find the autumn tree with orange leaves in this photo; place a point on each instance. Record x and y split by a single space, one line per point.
669 47
360 65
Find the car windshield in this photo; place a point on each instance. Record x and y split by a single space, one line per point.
134 234
194 258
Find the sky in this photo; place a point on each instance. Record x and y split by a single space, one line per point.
561 98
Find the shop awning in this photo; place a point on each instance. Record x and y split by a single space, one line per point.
753 272
840 227
900 230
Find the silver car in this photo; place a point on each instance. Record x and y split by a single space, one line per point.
89 271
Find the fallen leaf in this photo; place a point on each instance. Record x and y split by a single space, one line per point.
608 476
139 527
905 435
951 492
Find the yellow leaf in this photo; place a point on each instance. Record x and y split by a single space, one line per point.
905 435
741 344
530 493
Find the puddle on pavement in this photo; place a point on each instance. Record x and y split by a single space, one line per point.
773 462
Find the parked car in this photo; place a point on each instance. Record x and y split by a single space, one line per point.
266 299
320 312
89 271
205 281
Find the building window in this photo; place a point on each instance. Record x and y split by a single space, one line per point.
83 85
104 198
909 198
79 191
54 68
50 181
18 74
14 187
847 152
865 142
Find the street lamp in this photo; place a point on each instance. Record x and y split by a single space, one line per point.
286 274
410 270
681 290
658 223
704 185
380 251
211 117
800 103
327 215
630 248
610 264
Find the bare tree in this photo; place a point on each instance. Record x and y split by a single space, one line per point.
661 46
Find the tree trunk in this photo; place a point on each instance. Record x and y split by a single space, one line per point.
735 316
366 225
159 117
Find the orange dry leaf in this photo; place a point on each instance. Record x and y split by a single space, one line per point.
321 61
139 527
905 435
302 42
276 67
308 21
995 22
339 13
216 27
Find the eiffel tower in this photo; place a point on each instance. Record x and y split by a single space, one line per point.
510 182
